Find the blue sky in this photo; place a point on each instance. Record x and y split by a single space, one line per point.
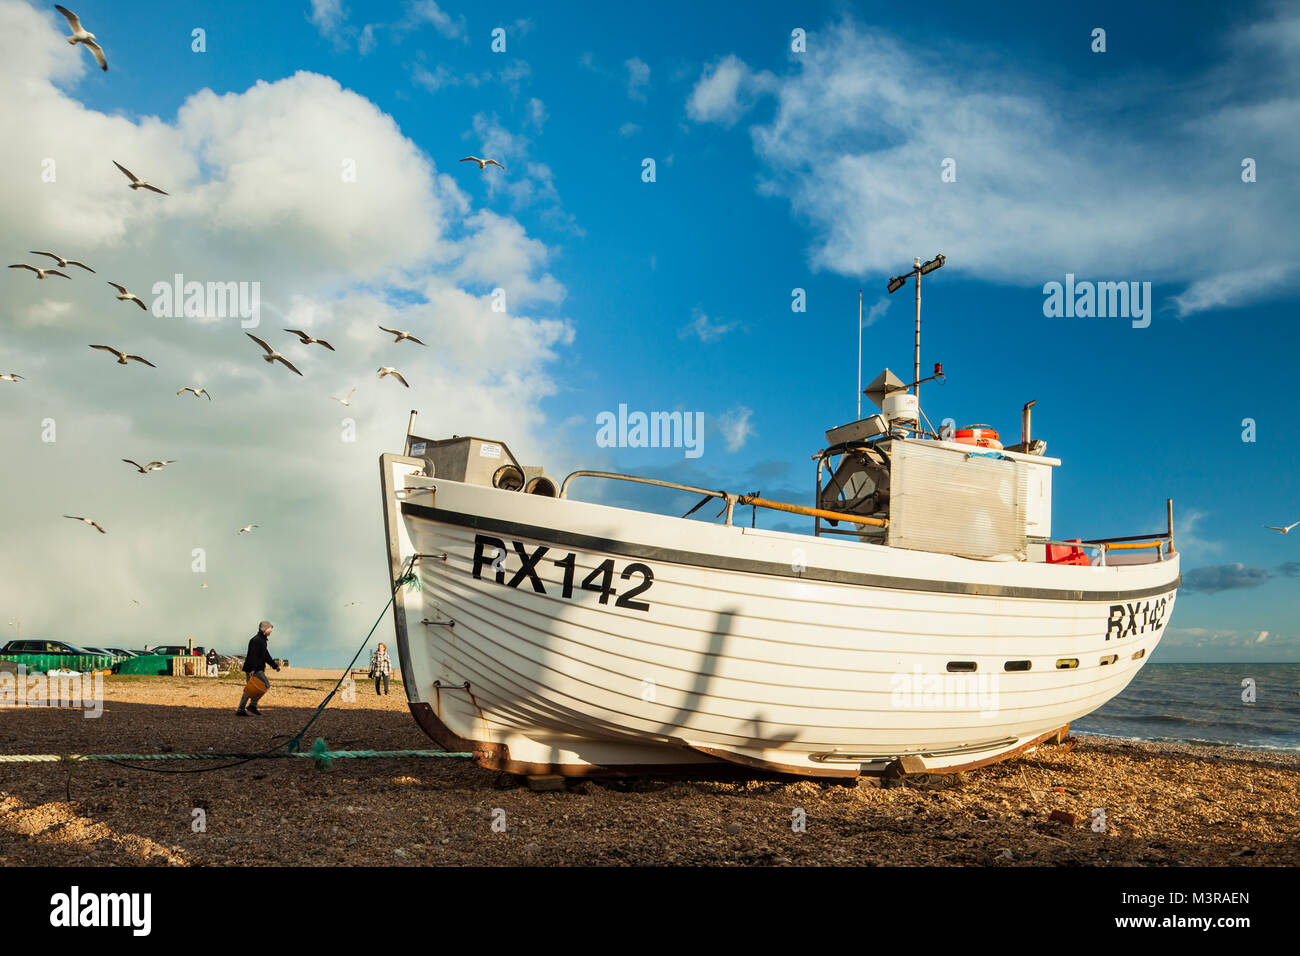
775 170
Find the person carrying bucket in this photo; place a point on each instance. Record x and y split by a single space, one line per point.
255 662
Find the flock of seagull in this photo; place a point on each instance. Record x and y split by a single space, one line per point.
87 39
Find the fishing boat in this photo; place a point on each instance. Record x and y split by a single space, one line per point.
929 621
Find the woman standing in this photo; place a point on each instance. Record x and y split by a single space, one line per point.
380 667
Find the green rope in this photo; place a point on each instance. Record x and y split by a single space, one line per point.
318 753
410 579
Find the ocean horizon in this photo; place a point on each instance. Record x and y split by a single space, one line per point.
1203 704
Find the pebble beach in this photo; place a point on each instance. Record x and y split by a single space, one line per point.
1163 804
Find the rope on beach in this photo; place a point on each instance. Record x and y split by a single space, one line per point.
318 755
407 577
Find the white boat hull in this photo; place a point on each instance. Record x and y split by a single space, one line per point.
708 643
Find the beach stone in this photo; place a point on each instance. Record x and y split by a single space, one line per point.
734 828
1007 855
1064 816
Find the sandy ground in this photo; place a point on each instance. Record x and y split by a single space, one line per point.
1162 805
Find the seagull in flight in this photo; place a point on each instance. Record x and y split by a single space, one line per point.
248 528
346 399
308 340
1285 530
125 296
90 521
40 273
123 358
136 181
272 355
151 466
10 377
80 35
63 263
401 336
482 163
197 391
389 370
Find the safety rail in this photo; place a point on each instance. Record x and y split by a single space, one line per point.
731 499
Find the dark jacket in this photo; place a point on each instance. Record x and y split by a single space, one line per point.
258 657
212 657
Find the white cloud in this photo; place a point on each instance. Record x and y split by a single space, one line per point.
736 427
726 90
638 78
1186 537
327 16
537 115
420 12
860 133
1230 288
628 129
259 193
875 312
704 328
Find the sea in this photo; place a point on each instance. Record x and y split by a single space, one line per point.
1205 704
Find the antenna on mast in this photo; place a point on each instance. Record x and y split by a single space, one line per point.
919 269
859 354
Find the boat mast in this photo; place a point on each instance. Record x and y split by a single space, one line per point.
859 354
916 350
919 269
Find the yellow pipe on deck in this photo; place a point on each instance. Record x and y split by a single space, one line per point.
812 512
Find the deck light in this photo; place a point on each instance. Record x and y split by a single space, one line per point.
933 264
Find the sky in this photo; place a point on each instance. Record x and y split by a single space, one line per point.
692 198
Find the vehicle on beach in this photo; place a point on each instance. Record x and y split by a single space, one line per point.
45 655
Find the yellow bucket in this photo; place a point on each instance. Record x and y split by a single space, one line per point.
254 688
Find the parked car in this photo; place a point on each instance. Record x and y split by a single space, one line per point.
172 650
42 655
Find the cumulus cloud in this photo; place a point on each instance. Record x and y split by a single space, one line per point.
1289 569
1224 577
860 132
312 191
726 90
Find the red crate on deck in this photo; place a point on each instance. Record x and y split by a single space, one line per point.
1067 554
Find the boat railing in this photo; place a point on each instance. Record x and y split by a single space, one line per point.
1163 545
731 499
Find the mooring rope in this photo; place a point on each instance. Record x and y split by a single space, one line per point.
318 753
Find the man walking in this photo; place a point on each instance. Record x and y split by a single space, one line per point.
255 662
213 662
380 667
